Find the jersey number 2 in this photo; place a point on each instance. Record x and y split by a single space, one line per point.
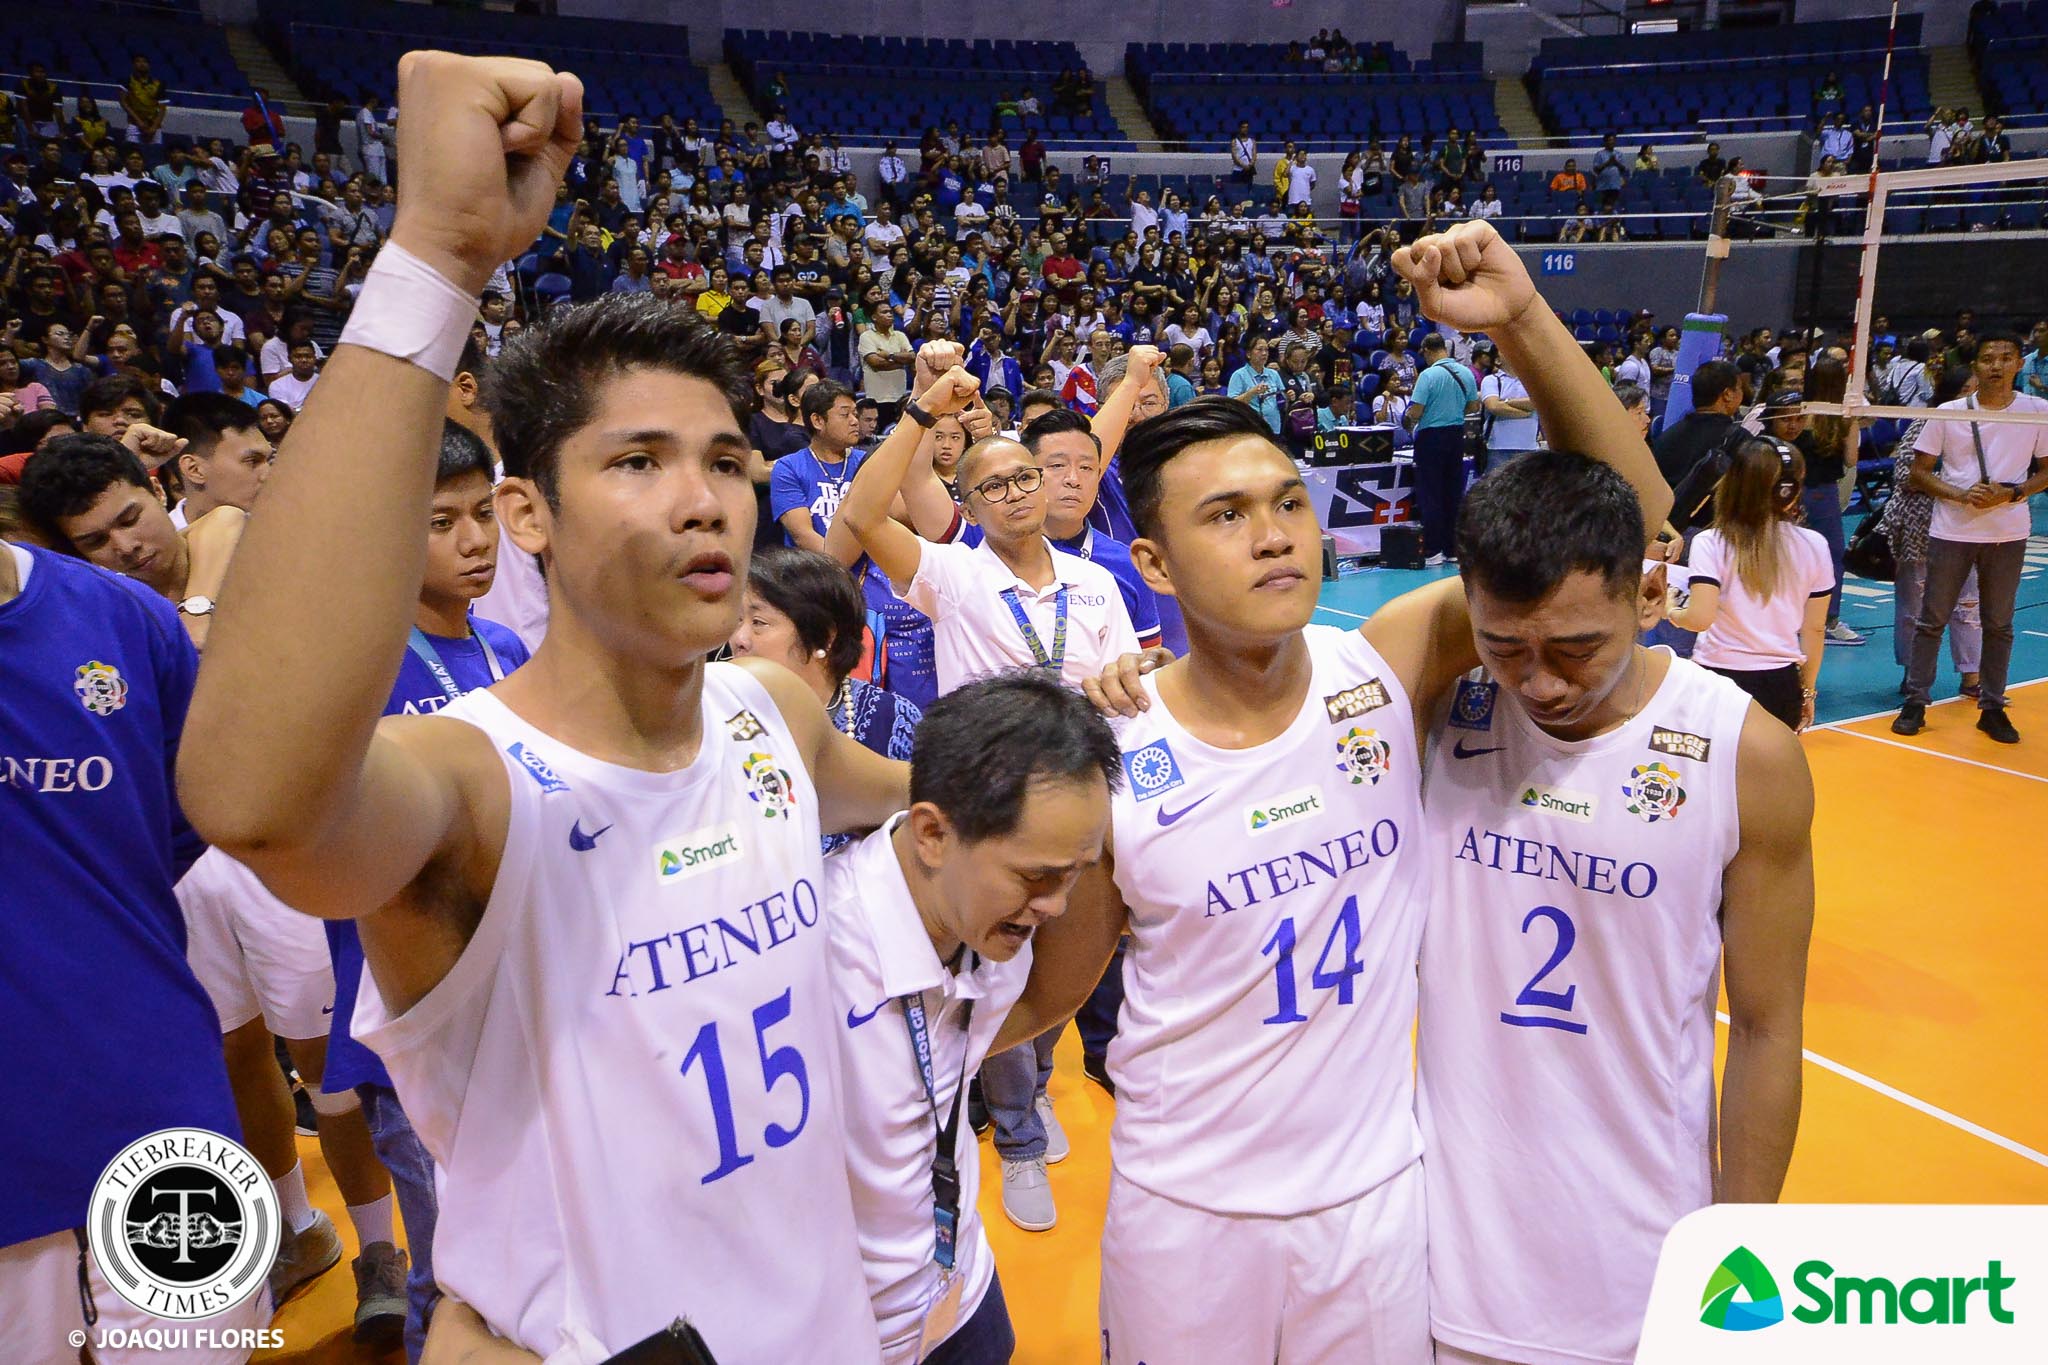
1534 998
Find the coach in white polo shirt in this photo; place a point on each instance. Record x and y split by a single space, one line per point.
1980 475
933 922
1011 601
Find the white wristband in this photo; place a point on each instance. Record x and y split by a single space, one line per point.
412 312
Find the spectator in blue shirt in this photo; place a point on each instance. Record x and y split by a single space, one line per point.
1609 173
1258 383
1444 391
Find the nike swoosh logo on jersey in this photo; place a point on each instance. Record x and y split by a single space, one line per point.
1168 817
327 1009
854 1020
582 842
1459 750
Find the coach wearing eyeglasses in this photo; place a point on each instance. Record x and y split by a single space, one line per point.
1011 601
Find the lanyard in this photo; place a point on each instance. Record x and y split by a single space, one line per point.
423 649
945 1171
1030 634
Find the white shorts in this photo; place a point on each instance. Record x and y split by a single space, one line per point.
40 1310
253 953
1452 1355
1345 1285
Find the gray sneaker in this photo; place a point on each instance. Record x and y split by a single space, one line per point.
1056 1144
303 1256
1027 1195
380 1294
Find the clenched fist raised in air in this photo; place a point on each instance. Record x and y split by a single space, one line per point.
482 145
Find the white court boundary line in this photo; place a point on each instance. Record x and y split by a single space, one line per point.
1953 758
1933 1111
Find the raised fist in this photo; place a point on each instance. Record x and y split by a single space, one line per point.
482 146
1467 277
1142 361
934 358
951 392
154 446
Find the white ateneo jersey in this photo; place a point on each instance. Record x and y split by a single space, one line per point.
880 955
968 591
1262 1061
629 1082
1566 1044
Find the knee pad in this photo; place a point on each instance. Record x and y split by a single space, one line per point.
333 1106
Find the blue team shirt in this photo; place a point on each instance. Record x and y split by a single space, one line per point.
417 692
109 1035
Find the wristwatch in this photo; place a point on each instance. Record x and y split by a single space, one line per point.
196 605
917 414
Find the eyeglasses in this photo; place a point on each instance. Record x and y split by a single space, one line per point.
1025 481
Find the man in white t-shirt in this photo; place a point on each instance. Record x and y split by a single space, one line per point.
1301 180
882 236
1012 601
1980 475
292 387
1143 215
1513 427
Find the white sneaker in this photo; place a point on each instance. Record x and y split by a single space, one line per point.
1433 562
1841 636
1056 1144
1027 1195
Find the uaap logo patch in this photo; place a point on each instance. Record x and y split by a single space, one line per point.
1367 757
745 726
1472 705
1653 793
1152 771
769 785
1355 701
1679 744
100 688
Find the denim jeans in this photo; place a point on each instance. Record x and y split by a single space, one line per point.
1949 562
1097 1018
1965 628
412 1178
1011 1083
1824 514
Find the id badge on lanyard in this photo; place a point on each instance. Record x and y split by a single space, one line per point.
942 1307
1042 657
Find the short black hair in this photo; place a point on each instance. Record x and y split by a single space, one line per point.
982 747
543 386
471 361
818 596
1153 442
1053 423
1030 396
819 398
1992 336
1712 379
30 428
111 390
201 419
67 476
1545 515
224 355
462 452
